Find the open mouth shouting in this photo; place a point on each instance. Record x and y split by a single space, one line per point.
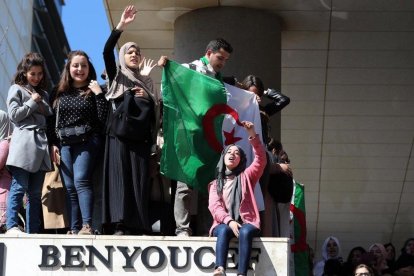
232 157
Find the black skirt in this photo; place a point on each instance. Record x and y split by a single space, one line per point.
126 189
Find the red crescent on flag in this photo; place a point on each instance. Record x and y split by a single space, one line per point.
208 125
300 244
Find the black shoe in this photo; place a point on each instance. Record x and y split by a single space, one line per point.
121 229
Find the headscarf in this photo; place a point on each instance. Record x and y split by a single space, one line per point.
222 172
127 78
381 264
381 248
325 249
319 267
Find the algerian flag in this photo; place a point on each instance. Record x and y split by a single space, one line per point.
245 103
299 245
201 115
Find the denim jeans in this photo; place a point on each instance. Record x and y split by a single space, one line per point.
76 168
224 234
31 183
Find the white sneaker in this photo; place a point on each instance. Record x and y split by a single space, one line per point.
14 230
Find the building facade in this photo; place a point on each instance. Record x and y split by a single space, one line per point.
30 25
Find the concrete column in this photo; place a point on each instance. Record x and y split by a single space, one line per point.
256 39
254 35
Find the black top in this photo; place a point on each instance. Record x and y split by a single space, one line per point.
279 101
77 109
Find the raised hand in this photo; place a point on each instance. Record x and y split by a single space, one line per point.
127 17
146 66
162 61
249 126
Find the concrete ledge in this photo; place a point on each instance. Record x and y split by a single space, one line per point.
127 255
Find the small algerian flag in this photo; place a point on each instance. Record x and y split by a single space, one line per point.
201 115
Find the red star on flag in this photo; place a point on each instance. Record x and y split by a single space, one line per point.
230 139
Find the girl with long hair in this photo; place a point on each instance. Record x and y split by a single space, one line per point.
29 158
232 203
80 111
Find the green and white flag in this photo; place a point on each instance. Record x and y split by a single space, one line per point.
201 114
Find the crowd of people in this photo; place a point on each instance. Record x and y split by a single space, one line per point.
79 121
378 260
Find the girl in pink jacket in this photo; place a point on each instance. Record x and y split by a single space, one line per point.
232 203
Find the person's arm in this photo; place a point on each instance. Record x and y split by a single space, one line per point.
102 107
101 104
51 133
4 125
281 167
127 17
4 152
51 121
279 101
255 170
109 56
17 109
216 205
